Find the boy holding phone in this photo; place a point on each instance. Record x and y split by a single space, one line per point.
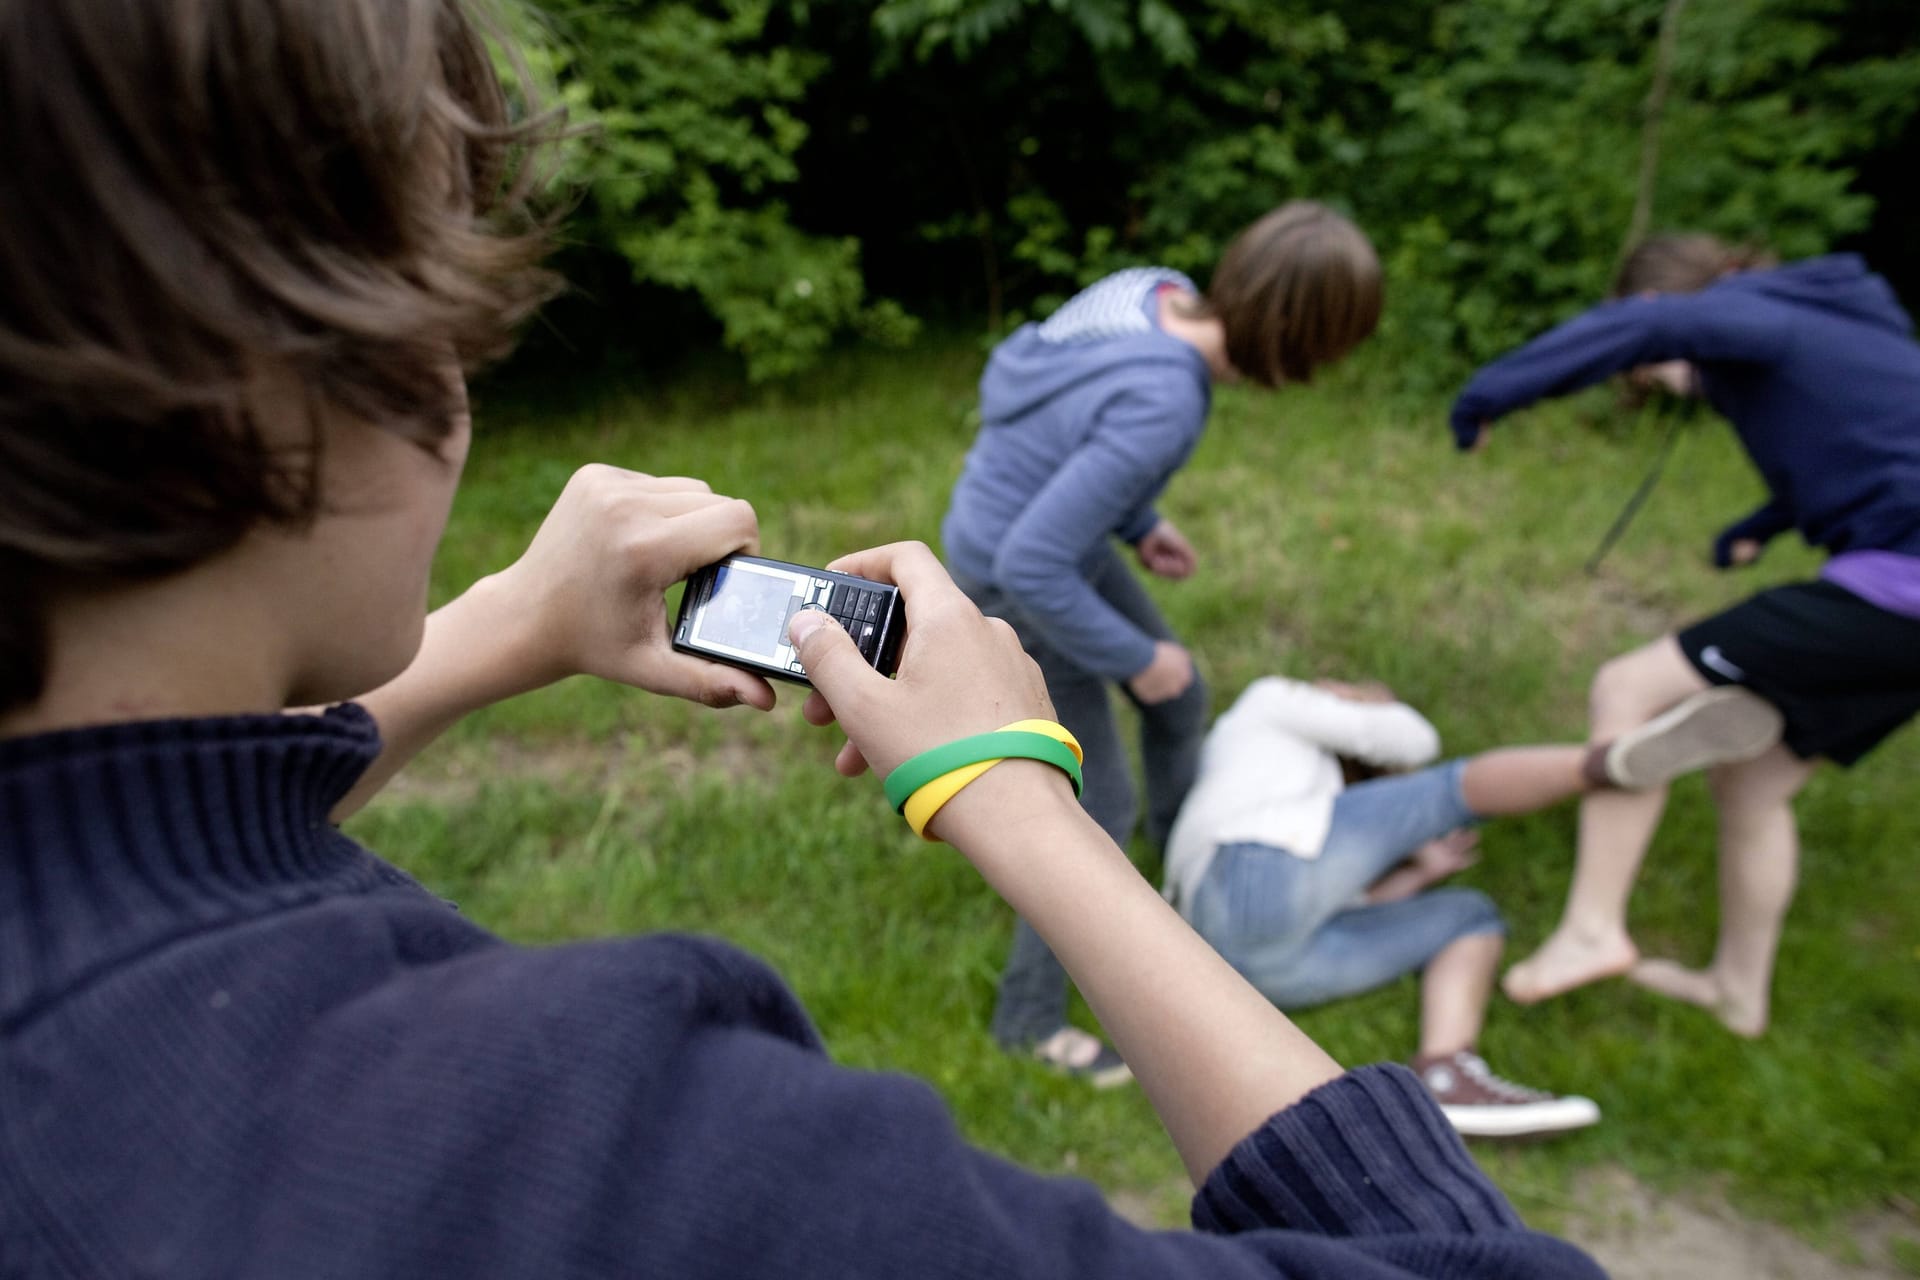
246 249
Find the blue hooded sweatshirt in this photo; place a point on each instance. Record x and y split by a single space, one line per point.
1084 420
1814 364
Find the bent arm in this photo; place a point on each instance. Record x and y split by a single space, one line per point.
588 597
1614 337
1763 526
1141 439
1390 734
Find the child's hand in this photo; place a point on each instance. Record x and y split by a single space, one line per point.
1166 677
591 589
960 672
1166 552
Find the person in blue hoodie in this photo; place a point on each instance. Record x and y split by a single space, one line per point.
1816 367
1084 420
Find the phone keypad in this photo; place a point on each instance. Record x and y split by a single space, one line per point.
855 608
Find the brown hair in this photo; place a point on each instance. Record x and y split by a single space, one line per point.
203 195
1298 288
1677 263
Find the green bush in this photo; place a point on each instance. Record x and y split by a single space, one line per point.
781 160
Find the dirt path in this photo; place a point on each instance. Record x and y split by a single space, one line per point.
1637 1234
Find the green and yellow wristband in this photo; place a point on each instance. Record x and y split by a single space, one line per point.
920 787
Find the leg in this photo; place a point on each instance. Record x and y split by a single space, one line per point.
1363 948
1032 1004
1517 780
1591 940
1375 825
1759 862
1170 732
1032 1001
1454 992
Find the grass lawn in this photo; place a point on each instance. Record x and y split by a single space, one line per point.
1339 534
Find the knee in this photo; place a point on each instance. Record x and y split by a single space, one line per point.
1619 697
1473 913
1190 708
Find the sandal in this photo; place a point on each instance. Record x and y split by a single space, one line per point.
1076 1053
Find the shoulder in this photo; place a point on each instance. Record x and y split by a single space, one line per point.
523 1003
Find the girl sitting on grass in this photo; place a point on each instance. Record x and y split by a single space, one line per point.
1316 890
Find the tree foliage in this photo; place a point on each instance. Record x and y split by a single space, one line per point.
779 158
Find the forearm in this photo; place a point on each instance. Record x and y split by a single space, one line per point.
1215 1058
470 657
1398 884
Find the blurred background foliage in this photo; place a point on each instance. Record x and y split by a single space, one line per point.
783 174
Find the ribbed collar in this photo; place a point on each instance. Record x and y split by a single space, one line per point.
116 839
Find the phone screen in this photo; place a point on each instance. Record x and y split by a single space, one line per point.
746 614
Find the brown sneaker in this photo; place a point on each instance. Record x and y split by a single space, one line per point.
1479 1104
1719 726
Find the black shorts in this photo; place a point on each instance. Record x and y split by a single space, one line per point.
1843 672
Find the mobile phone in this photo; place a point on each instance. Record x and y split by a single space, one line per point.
737 610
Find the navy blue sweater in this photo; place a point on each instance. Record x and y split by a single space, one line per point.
233 1043
1815 366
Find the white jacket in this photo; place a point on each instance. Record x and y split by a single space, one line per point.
1270 769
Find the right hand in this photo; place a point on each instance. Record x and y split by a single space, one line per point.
1166 677
1735 553
960 673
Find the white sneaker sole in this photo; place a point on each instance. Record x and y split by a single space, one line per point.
1524 1119
1720 726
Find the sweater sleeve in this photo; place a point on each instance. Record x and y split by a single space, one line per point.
1772 519
661 1107
1390 734
1713 325
1143 435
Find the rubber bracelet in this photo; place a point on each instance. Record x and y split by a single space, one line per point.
930 798
1004 744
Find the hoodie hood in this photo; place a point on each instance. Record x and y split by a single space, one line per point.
1027 372
1839 284
1109 326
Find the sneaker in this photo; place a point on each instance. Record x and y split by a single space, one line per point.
1077 1053
1479 1104
1720 726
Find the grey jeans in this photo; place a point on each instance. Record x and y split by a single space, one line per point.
1033 989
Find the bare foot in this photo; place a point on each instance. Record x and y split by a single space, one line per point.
1704 988
1567 960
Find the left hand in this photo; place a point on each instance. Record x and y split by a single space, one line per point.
1166 552
589 595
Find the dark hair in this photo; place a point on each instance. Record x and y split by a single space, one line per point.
1683 263
329 193
1298 288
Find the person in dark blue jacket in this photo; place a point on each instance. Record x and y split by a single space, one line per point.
1816 367
247 250
1084 420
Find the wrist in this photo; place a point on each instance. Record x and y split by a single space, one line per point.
1017 804
494 638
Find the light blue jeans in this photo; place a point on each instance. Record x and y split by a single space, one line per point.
1290 924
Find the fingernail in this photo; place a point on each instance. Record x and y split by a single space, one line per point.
804 624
